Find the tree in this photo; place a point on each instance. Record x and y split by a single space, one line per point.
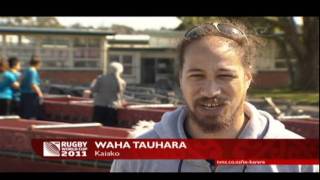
122 29
304 43
80 26
104 28
27 21
48 21
17 21
77 26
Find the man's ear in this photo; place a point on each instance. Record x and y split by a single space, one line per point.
248 79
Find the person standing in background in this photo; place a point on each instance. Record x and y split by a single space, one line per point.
31 94
14 65
7 82
107 90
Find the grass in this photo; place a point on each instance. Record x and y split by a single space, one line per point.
297 97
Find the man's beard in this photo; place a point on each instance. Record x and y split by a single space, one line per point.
220 122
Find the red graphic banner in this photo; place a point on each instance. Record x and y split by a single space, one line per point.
231 151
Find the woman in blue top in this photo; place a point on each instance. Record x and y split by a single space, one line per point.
14 65
7 81
31 93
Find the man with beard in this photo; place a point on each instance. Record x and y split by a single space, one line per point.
216 65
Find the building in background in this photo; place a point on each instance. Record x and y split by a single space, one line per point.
147 58
69 56
75 56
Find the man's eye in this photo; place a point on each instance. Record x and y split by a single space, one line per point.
229 76
196 75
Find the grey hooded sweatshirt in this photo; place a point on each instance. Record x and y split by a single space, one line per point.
260 126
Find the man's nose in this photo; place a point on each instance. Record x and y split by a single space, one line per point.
210 89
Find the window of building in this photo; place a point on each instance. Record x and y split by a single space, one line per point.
92 64
86 64
127 70
62 42
93 52
26 52
114 58
165 65
127 59
80 64
12 40
87 52
80 42
79 53
52 64
27 40
94 42
127 64
48 41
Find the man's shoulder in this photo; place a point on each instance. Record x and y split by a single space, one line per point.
277 130
287 134
151 134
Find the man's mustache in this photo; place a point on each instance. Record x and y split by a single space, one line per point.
218 100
